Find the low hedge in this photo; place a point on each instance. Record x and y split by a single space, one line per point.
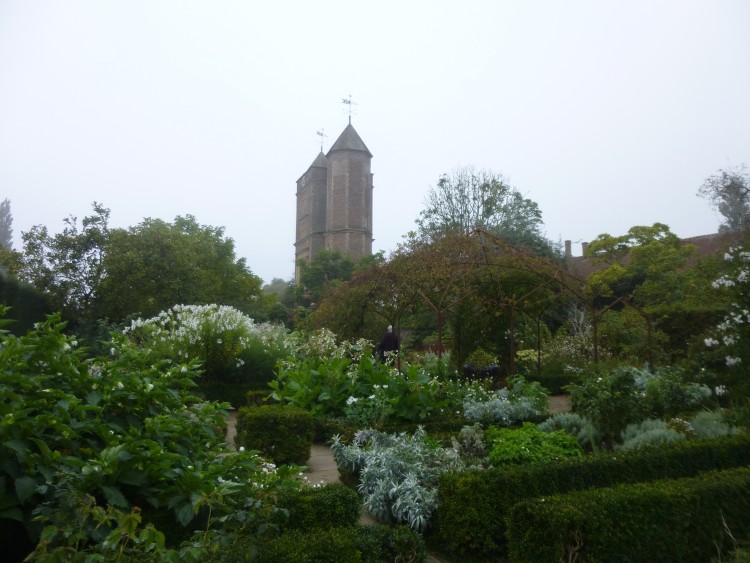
365 544
670 520
283 433
472 505
332 506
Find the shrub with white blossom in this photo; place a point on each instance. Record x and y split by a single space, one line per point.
732 334
217 336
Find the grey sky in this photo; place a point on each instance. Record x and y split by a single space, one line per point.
607 114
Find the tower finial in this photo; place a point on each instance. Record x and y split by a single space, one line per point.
348 101
322 136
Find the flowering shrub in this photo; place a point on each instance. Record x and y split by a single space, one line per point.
220 338
84 441
398 473
732 334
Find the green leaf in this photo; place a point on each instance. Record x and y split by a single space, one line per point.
25 487
114 496
93 398
185 514
132 477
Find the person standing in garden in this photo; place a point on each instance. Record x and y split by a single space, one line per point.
389 343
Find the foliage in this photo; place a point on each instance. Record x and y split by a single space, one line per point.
473 505
669 392
70 265
366 544
352 383
284 433
610 400
528 444
332 506
732 334
327 267
469 199
27 303
630 522
470 445
728 191
127 431
520 401
650 432
6 225
230 346
156 265
398 473
711 424
575 425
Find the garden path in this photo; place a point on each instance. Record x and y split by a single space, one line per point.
321 467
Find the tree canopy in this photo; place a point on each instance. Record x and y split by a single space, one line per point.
469 199
728 191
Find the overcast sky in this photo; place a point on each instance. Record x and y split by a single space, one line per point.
607 114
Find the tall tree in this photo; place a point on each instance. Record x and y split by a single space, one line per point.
68 266
467 199
155 265
326 267
728 191
6 226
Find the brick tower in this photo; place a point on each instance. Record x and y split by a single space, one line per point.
334 202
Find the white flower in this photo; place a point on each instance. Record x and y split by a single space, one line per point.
351 400
242 448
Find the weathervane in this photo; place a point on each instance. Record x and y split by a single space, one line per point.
348 101
322 136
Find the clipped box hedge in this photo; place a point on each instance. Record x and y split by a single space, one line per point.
365 544
332 506
283 433
473 505
684 520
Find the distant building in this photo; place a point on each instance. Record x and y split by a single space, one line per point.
334 202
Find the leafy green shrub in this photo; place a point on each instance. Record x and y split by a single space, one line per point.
472 505
328 387
648 433
609 400
631 522
397 473
668 393
229 345
575 425
710 424
283 433
379 543
366 544
318 546
332 506
520 401
528 444
83 441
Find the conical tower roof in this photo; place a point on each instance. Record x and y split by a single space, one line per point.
349 140
320 161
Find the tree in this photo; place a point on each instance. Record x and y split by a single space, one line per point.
728 191
68 266
156 265
6 226
326 267
467 199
